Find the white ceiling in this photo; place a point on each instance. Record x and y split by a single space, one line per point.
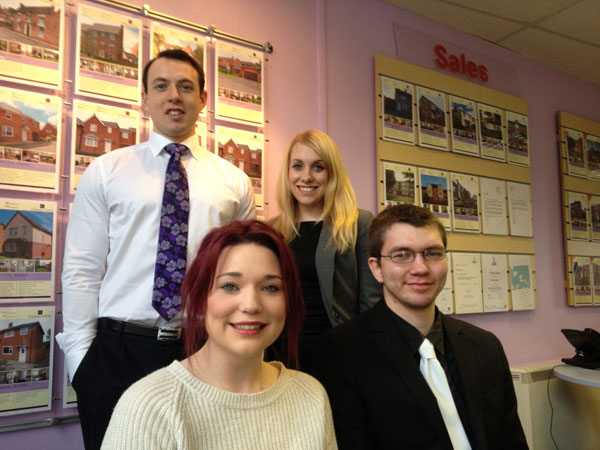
561 34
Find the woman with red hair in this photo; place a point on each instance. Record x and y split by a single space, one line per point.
240 293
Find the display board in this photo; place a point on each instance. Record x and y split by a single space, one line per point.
579 149
462 151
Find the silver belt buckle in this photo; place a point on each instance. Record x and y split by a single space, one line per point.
168 334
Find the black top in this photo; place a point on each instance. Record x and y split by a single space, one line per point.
304 247
445 355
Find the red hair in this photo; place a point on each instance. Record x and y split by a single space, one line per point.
198 281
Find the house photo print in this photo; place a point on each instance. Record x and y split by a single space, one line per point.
29 138
31 41
26 355
27 244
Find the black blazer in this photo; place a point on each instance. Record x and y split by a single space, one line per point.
380 400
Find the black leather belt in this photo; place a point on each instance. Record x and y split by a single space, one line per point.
158 333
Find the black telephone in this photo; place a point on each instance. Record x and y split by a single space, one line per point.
587 348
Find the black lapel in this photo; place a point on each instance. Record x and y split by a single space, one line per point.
470 375
398 356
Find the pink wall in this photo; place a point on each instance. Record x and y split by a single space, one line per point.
321 75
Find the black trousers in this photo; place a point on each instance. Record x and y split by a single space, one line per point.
114 362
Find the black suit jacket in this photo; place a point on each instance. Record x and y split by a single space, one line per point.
380 400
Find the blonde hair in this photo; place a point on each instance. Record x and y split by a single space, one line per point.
339 201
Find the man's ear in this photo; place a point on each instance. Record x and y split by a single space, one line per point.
144 99
203 98
375 269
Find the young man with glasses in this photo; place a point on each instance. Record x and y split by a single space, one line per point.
403 375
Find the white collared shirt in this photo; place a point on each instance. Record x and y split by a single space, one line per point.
112 236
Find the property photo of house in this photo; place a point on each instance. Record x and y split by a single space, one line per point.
25 347
30 28
491 127
431 115
108 47
24 237
398 110
165 38
240 77
464 121
246 158
28 130
517 136
94 137
399 186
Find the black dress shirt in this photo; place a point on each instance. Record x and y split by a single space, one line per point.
445 355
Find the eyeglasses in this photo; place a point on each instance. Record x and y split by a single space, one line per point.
433 254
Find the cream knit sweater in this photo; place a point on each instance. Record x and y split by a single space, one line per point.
172 409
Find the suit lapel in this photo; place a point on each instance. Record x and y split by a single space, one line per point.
324 262
470 377
389 341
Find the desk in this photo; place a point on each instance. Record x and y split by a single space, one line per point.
579 375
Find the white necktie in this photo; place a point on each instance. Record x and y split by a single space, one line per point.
438 383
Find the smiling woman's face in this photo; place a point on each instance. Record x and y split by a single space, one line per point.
308 178
245 311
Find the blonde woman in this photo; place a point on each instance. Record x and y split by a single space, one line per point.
327 234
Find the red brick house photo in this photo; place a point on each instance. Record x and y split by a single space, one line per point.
40 23
25 238
24 343
242 156
17 127
94 137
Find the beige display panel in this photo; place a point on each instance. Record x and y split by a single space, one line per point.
450 160
579 144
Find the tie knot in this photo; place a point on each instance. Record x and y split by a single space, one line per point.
176 149
426 350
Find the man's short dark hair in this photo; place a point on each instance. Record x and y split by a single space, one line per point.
410 214
180 55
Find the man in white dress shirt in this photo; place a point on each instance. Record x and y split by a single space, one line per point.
112 334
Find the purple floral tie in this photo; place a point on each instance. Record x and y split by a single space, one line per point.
172 237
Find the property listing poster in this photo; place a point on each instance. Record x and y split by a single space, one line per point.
167 38
466 271
517 134
29 141
239 84
465 202
445 300
578 223
519 209
397 110
595 264
431 108
26 338
595 217
463 120
27 250
582 280
399 183
592 159
245 150
202 133
521 282
31 41
108 54
434 194
99 129
493 206
575 153
491 132
494 275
